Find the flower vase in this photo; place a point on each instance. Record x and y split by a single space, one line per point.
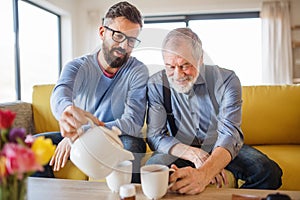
13 188
21 155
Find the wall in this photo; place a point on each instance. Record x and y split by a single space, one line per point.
83 17
295 20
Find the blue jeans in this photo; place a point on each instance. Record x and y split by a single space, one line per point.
136 145
250 165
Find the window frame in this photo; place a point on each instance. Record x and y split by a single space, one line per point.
207 16
17 43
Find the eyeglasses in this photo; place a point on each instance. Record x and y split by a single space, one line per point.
120 37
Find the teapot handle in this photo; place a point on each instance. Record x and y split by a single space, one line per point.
90 123
81 131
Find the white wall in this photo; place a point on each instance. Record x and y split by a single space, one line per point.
82 17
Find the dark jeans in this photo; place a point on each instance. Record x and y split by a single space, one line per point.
136 145
250 165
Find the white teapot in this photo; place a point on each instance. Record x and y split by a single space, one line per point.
98 150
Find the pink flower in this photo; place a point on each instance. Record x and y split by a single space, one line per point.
6 119
29 140
20 159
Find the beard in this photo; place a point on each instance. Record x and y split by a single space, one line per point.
114 61
183 88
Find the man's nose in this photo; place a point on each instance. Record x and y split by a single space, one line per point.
178 72
124 44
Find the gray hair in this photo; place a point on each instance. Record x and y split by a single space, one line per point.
174 38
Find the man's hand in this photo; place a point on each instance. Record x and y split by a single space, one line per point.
188 180
220 180
197 156
73 118
61 155
200 157
220 157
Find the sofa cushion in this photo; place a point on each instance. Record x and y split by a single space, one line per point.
287 157
44 120
271 114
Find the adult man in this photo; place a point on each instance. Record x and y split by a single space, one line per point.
109 87
205 135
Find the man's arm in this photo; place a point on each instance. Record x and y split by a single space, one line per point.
193 154
229 118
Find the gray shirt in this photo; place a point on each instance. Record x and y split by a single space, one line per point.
199 123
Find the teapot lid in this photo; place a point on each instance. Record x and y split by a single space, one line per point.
113 135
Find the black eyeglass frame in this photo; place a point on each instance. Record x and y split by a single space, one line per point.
135 41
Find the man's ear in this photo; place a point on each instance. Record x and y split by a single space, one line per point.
200 60
101 32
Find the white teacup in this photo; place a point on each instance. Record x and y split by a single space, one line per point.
155 180
120 175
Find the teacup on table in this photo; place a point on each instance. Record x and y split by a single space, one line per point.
120 175
155 180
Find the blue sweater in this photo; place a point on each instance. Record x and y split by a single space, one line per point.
119 101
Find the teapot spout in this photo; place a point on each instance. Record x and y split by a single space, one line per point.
126 155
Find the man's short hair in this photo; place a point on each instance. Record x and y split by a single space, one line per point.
124 9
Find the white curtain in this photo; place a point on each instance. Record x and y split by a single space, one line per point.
276 41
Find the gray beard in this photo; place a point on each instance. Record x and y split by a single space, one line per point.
183 89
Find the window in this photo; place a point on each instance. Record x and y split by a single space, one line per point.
32 37
231 40
39 48
233 44
7 66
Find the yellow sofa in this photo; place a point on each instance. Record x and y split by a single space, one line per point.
270 122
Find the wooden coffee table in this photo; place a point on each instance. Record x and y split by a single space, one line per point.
62 189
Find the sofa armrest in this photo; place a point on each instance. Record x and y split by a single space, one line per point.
24 117
44 120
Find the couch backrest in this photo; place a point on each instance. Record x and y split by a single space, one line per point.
271 114
44 120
